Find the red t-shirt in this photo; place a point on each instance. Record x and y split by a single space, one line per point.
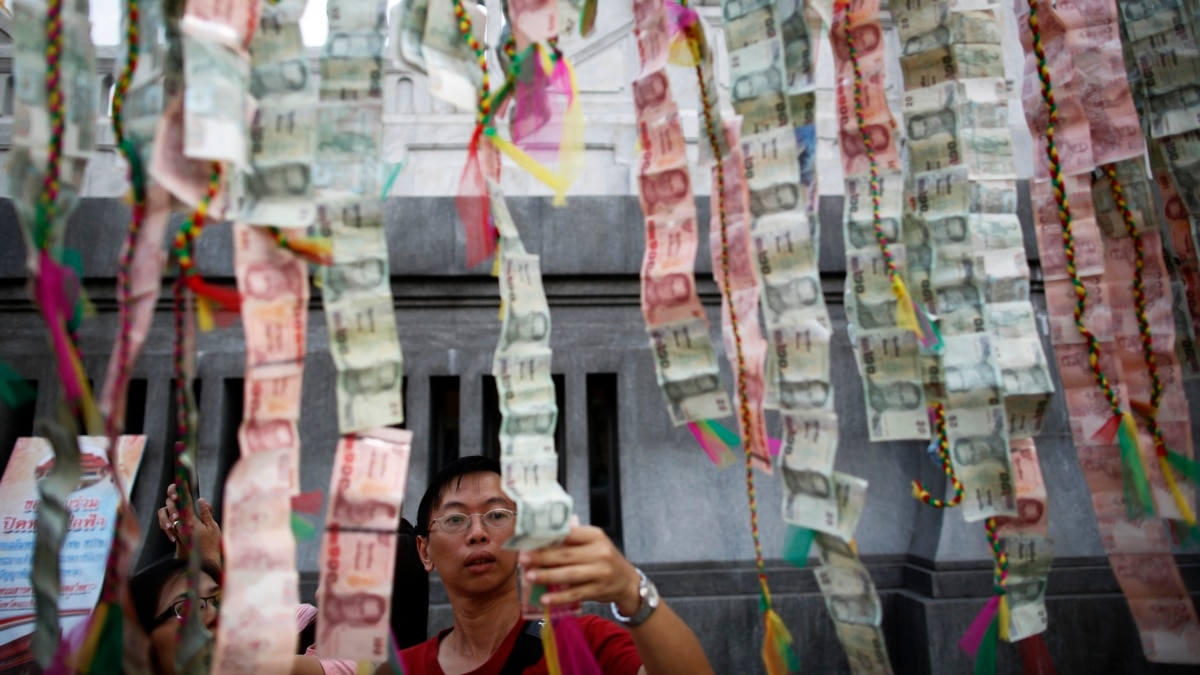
611 645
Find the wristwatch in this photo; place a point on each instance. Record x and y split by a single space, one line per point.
649 595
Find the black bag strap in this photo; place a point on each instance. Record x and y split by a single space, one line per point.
527 651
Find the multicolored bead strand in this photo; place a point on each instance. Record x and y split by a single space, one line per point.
464 28
1147 340
999 575
938 412
48 200
707 99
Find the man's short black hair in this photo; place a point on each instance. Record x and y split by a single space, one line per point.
452 472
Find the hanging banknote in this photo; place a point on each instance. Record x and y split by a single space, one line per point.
358 549
685 362
525 390
347 182
1098 121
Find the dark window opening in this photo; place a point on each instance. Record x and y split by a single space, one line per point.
232 407
135 408
604 474
403 402
16 422
443 422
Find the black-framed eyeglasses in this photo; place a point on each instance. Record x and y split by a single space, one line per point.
178 609
453 523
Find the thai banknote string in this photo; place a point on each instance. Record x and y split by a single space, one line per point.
1159 83
1155 35
1138 548
358 550
262 522
356 289
685 362
943 451
909 314
1138 500
778 652
1166 458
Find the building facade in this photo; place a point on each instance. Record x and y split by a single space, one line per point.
629 470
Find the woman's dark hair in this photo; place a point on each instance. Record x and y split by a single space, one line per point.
146 586
410 591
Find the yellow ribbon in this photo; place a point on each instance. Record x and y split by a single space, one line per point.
1176 494
1003 618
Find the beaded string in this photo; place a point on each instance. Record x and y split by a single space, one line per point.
943 444
189 232
1064 215
747 417
48 200
999 572
464 28
1147 338
1139 301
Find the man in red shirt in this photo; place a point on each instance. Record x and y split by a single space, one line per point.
462 523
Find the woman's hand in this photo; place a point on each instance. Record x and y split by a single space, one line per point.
586 566
205 531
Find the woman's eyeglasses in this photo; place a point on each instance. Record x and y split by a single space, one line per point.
178 609
453 523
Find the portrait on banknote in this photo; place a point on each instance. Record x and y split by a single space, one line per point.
976 450
662 192
758 83
868 38
889 396
774 198
348 510
861 234
371 380
793 294
805 395
526 327
694 386
811 483
352 610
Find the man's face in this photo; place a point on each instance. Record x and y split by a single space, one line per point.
471 562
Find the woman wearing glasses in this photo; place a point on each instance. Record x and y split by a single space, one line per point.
160 592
